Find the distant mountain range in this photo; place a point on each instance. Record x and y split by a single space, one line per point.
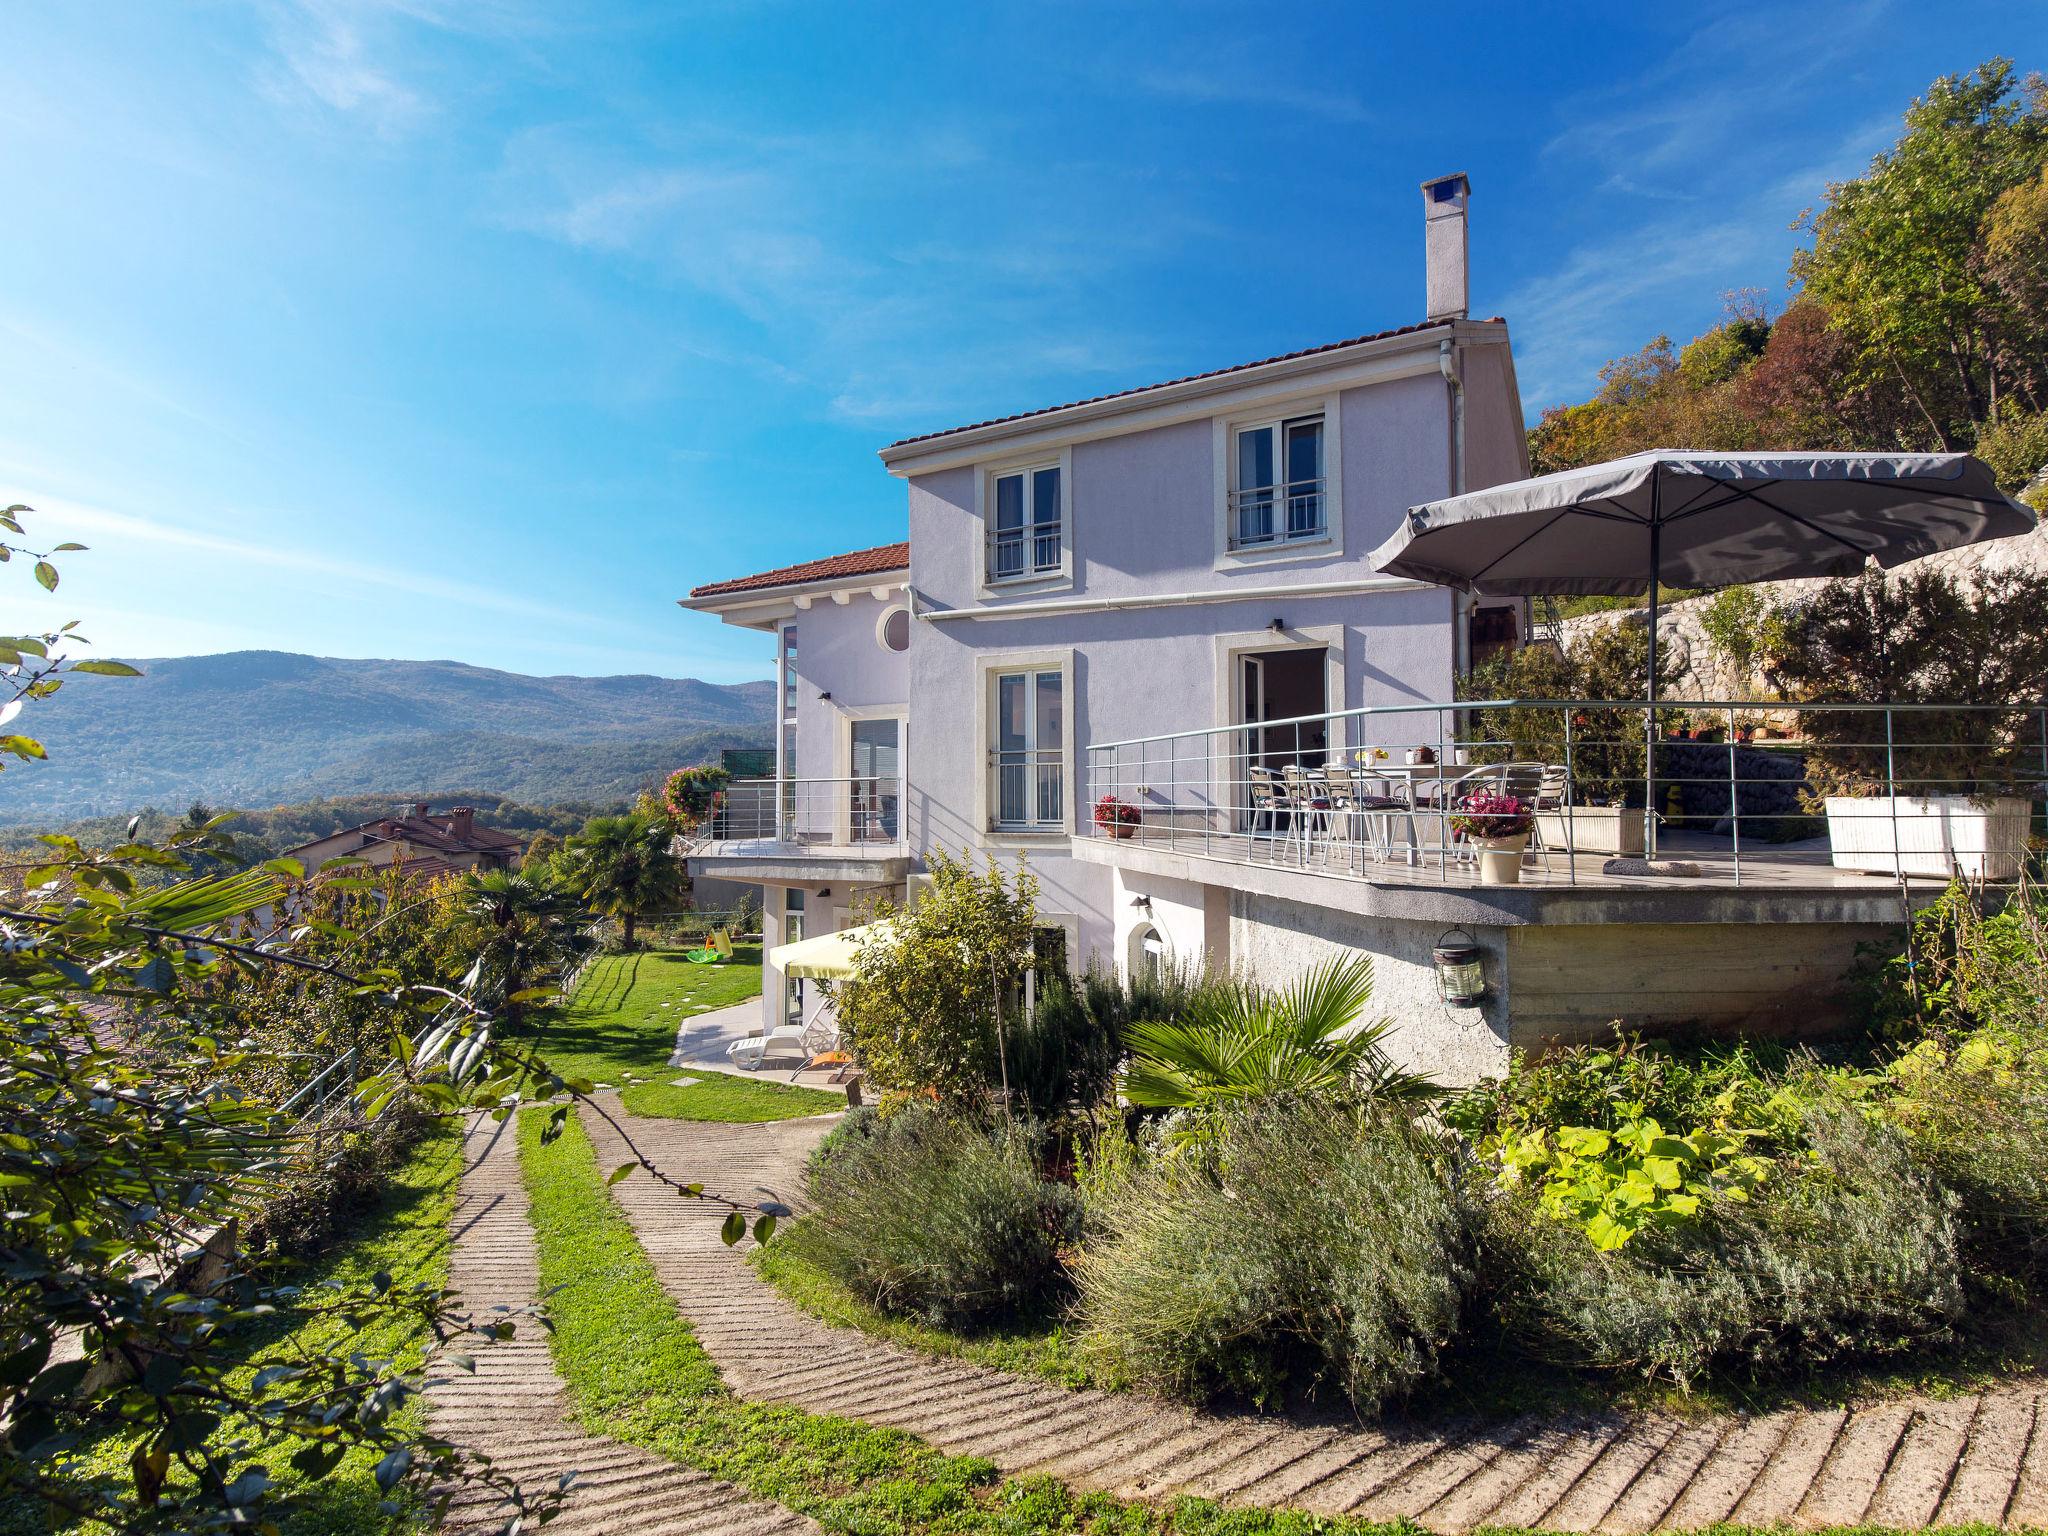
255 728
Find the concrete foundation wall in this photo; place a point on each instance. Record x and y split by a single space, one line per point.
1707 979
1275 940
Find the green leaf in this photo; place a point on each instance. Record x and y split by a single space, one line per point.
106 668
734 1229
619 1173
393 1467
46 573
764 1228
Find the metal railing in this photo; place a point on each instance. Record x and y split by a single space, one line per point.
1744 790
1027 551
1027 791
854 811
1262 515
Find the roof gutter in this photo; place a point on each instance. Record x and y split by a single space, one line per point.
1061 605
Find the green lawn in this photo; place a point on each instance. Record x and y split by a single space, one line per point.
620 1027
405 1236
636 1372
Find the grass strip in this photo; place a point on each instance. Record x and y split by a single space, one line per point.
1042 1348
636 1372
734 1100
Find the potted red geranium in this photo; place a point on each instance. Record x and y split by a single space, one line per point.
1116 817
1498 826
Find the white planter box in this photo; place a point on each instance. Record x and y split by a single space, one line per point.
1593 829
1937 836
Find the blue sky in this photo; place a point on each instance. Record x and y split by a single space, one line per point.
484 329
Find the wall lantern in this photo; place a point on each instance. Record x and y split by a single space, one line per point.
1460 974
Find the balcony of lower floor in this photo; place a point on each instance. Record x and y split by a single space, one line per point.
801 830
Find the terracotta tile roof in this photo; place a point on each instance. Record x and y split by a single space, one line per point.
862 562
1213 373
452 831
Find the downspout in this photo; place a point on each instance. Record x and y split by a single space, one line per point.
1461 602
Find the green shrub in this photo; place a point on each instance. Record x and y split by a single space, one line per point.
924 1215
2015 447
1606 1086
1063 1053
1977 1114
1304 1245
1853 1253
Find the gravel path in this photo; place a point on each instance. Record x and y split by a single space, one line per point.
516 1410
1900 1462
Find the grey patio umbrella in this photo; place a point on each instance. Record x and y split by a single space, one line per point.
1699 519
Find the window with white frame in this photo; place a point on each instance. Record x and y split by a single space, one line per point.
785 660
1027 758
1025 536
1277 483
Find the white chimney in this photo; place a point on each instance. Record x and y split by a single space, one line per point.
1443 246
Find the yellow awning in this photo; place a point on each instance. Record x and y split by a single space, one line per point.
828 957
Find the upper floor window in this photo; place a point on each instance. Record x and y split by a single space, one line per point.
1025 537
1277 493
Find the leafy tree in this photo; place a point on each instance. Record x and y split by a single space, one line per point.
1919 319
1898 253
622 866
930 998
1247 1042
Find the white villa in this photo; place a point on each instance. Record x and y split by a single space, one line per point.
1121 596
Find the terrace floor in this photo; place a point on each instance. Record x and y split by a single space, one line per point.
1782 882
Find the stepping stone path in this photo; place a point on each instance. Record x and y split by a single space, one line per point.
1901 1462
516 1410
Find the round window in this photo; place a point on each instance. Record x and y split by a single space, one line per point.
894 630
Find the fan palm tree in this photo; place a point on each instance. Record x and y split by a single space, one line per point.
622 867
515 926
1243 1042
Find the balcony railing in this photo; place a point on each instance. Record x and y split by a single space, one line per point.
1018 552
1744 792
856 811
1265 515
1028 790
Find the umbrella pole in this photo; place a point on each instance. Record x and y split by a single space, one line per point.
1650 723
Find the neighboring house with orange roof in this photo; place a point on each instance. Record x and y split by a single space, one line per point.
427 842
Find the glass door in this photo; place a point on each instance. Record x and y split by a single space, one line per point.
877 779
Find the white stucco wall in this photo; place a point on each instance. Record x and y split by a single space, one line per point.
1177 911
1276 940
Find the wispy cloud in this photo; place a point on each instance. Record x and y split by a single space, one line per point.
1685 192
361 578
792 235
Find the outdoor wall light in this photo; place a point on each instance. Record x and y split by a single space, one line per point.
1142 903
1276 626
1460 974
825 695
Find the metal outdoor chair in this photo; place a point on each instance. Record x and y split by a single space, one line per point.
1269 802
1309 789
1357 795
